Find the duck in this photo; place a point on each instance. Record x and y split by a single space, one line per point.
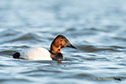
40 53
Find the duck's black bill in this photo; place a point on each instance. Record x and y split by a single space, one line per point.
71 46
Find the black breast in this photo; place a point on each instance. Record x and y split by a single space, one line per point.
57 57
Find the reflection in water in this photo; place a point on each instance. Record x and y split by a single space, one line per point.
96 27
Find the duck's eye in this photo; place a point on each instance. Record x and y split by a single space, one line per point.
62 39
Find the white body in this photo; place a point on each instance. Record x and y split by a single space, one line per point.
36 53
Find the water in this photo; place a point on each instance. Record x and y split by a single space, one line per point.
96 27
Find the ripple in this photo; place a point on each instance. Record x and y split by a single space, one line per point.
26 37
7 52
96 49
96 29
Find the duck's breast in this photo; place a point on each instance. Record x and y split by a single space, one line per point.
36 53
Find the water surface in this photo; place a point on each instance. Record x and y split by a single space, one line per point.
96 27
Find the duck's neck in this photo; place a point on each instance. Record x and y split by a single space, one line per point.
55 53
55 49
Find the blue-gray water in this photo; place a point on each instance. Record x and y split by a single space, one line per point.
96 27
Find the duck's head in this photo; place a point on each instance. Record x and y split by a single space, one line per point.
60 42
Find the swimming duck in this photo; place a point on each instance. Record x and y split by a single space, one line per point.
39 53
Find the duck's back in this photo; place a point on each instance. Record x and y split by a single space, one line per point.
35 53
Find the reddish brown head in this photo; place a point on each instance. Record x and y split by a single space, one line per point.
60 42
